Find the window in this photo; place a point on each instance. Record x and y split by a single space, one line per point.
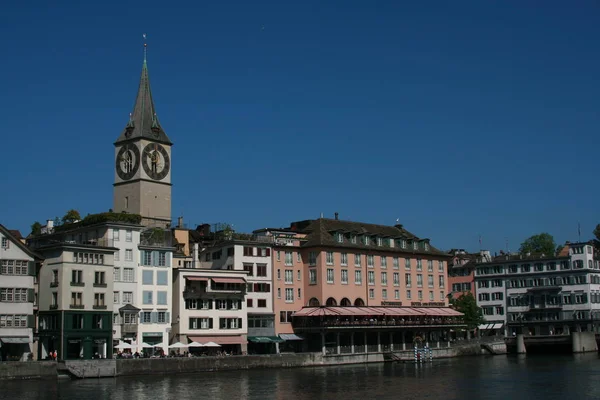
128 275
500 310
330 275
162 317
161 298
249 301
357 260
261 270
442 296
289 258
147 297
370 261
5 242
76 278
371 293
54 299
419 264
289 295
162 278
429 265
344 259
312 276
371 277
419 280
440 266
278 293
99 278
366 240
201 323
117 255
128 235
383 262
127 297
408 294
261 303
285 316
384 278
415 245
128 255
116 274
99 300
396 294
299 293
384 294
249 268
77 321
358 277
289 276
116 235
146 317
407 264
116 297
329 258
396 262
339 237
148 277
396 277
430 281
162 258
430 295
420 295
146 258
408 280
344 278
312 258
299 275
353 239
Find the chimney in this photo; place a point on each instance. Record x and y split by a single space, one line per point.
337 216
180 222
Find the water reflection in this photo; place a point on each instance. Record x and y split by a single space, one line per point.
553 377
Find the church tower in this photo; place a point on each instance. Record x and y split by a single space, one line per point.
143 162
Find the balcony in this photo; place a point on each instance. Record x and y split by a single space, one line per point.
100 285
54 284
99 307
76 306
156 237
129 328
54 307
194 292
79 284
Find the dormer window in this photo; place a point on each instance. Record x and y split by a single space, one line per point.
339 237
353 239
366 240
426 246
379 241
415 245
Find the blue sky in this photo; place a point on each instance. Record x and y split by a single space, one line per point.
459 118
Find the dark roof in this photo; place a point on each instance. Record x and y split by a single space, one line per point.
143 122
128 307
320 233
16 233
506 258
9 234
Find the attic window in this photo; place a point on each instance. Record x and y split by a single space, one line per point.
379 241
415 245
339 237
366 240
426 246
353 239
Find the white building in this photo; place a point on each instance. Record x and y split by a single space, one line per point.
541 295
210 306
252 254
17 272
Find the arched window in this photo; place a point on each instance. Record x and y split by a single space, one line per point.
314 302
331 302
359 302
345 302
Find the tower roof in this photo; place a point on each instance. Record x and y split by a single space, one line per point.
143 122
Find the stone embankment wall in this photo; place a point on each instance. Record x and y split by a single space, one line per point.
27 370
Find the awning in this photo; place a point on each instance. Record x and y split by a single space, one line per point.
15 340
218 339
490 326
196 278
265 339
228 280
289 336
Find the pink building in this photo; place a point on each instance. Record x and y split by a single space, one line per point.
330 263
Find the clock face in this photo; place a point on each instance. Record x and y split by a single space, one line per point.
156 162
128 161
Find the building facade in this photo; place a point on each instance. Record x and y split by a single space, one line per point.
541 295
461 271
17 297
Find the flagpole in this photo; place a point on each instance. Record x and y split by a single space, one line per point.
579 231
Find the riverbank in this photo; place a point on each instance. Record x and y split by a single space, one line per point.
160 366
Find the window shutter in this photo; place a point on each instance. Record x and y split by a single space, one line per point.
256 287
229 304
167 317
154 317
31 321
239 322
210 323
268 252
155 258
239 304
30 295
31 268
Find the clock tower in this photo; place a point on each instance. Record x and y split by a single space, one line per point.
143 162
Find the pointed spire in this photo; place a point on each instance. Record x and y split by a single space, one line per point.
143 122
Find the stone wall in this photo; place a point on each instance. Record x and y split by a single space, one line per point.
28 370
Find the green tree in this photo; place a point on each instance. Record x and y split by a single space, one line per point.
542 243
466 304
71 216
36 228
597 235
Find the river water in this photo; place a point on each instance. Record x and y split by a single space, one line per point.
499 377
